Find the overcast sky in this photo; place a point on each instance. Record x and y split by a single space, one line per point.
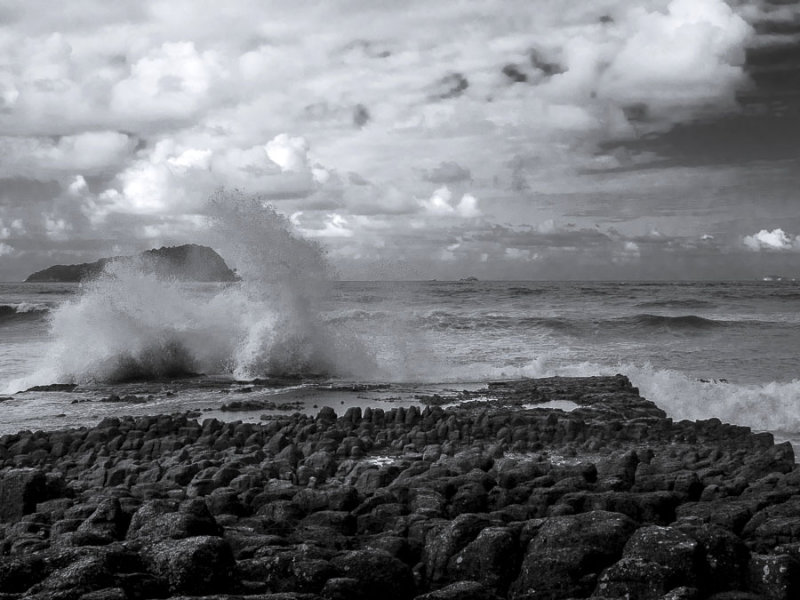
530 139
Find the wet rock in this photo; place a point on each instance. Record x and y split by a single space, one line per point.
445 539
343 588
461 590
105 525
195 565
76 572
17 574
723 558
159 519
380 575
492 559
633 578
618 471
567 553
676 552
775 577
732 515
336 521
774 459
20 491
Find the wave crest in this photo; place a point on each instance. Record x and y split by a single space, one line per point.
129 324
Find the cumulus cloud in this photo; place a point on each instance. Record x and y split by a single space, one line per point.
171 81
331 226
91 152
289 153
777 239
136 112
441 203
5 249
690 55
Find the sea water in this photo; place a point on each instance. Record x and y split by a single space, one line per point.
697 349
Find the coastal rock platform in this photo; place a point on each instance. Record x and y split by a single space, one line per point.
478 500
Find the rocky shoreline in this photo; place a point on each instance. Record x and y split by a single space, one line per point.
484 500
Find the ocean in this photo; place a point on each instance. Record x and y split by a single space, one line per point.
697 349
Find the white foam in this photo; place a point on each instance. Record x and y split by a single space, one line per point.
771 406
130 324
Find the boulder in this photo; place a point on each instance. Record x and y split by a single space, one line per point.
195 565
158 519
105 525
633 578
20 491
380 574
723 558
567 553
445 539
492 559
676 552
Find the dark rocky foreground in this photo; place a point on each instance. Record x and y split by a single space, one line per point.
483 501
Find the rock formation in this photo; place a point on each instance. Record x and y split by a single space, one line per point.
188 262
480 501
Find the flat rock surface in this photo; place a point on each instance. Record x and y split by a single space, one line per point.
481 499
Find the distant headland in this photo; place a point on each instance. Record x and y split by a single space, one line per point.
188 262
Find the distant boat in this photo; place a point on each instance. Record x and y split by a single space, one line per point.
773 278
469 279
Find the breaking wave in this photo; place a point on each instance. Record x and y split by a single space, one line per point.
682 322
677 303
24 311
128 324
769 406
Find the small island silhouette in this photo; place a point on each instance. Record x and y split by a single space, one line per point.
189 262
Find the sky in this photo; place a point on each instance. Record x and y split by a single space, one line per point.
502 139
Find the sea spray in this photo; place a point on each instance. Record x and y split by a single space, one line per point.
130 324
770 406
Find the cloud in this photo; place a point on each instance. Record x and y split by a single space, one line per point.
289 153
91 152
6 250
77 186
331 226
776 239
381 124
171 81
441 204
447 172
170 177
689 56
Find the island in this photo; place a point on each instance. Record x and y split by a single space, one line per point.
188 262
